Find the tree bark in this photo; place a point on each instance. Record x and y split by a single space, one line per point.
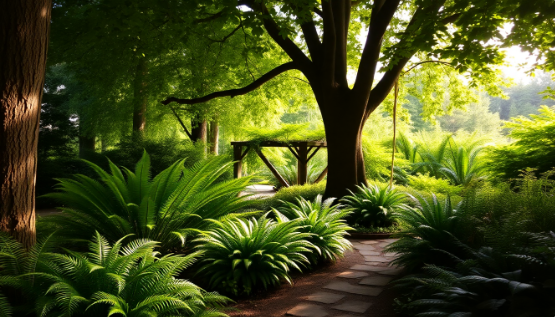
214 136
343 136
87 144
24 30
140 98
198 130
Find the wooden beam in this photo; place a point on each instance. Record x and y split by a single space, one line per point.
293 151
281 180
281 143
302 161
322 175
313 153
246 152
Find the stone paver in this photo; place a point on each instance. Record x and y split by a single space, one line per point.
308 310
354 306
375 280
357 280
367 252
354 289
325 297
364 247
352 274
370 242
369 268
376 258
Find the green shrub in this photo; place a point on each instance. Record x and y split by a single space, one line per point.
290 194
373 206
174 205
503 215
534 146
324 221
109 280
424 182
427 228
240 255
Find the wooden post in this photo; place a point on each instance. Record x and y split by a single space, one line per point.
272 168
238 159
302 161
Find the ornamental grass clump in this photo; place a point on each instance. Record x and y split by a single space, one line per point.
243 254
322 219
170 208
373 206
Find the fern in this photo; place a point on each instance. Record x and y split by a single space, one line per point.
373 206
171 208
240 255
324 221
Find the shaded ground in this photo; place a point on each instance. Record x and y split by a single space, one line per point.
279 301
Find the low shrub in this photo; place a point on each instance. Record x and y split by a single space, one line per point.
426 183
170 208
241 255
290 194
427 228
324 221
373 206
128 280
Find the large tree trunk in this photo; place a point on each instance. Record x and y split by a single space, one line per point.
343 136
140 98
24 28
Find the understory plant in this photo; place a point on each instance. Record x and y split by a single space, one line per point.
170 208
325 222
486 282
428 227
122 280
373 206
243 254
290 172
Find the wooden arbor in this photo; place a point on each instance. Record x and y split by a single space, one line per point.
303 151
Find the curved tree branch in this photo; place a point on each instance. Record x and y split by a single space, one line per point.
235 92
273 29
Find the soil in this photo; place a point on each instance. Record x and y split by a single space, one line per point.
277 302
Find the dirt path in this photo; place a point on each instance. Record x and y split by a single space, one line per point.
352 287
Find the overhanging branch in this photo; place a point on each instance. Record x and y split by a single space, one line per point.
235 92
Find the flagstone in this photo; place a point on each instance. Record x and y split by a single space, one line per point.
354 289
325 297
354 306
375 280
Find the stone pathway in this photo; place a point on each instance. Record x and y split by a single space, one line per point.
351 293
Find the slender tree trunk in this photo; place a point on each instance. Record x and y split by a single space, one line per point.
214 136
24 30
87 144
140 98
198 130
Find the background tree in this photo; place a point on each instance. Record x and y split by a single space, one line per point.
24 29
328 46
